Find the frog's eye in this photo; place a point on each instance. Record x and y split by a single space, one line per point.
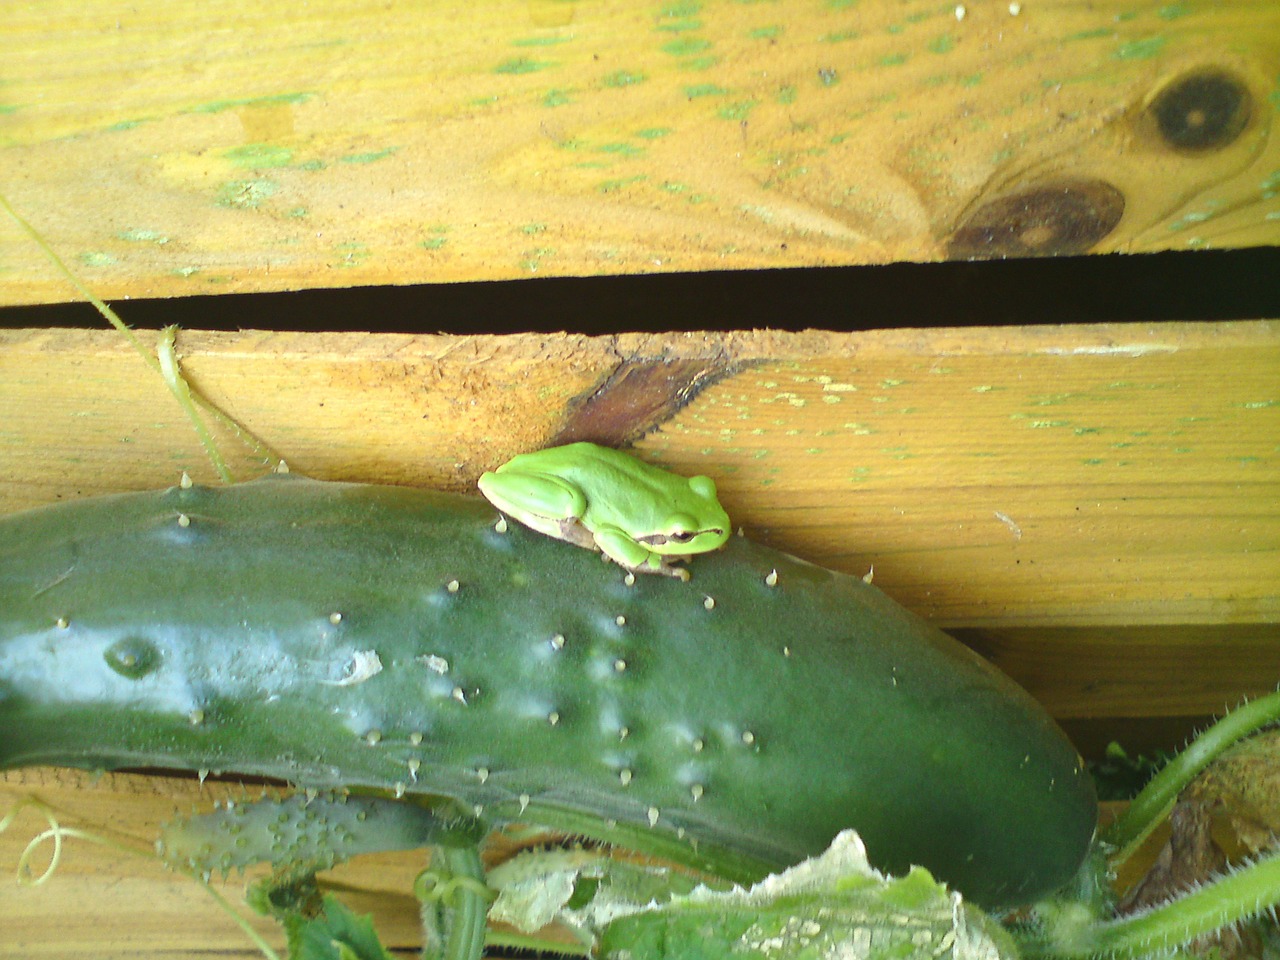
704 487
682 536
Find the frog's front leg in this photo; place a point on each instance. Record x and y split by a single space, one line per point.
633 556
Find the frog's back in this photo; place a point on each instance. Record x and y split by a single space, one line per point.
592 467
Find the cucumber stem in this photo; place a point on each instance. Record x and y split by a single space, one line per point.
166 366
167 355
1237 896
81 289
455 904
1152 804
244 925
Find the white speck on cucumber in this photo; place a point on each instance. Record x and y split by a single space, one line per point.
435 663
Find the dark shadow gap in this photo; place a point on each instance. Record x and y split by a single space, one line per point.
1188 286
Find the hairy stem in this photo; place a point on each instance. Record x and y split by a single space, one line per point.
455 904
1238 896
1151 806
81 289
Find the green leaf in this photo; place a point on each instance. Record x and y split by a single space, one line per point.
831 906
335 934
582 889
317 926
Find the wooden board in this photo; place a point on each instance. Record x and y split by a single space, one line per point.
106 904
186 147
1093 507
1090 505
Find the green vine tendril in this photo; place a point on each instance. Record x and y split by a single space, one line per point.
57 833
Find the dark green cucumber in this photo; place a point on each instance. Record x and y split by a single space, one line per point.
350 635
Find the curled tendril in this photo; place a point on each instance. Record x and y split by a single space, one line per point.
431 887
56 833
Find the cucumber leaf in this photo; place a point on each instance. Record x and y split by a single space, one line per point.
830 907
317 926
583 890
336 934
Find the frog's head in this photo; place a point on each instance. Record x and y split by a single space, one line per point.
700 525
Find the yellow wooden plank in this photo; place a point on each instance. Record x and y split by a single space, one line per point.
1074 476
102 903
1095 505
1122 673
201 147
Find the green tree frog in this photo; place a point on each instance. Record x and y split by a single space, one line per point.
640 516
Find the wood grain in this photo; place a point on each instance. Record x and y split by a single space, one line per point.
1089 505
1093 507
172 148
1049 477
103 903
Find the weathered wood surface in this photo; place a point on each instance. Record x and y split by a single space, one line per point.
110 905
174 148
1093 506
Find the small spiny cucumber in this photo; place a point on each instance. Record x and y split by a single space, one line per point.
303 833
359 636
